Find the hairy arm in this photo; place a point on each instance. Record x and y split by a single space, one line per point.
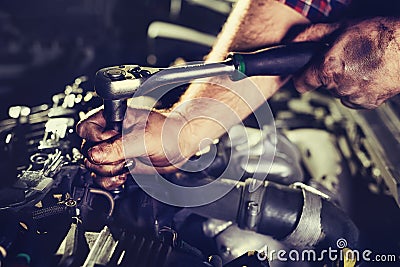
160 141
212 109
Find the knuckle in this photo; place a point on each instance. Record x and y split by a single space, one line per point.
80 128
106 183
96 154
299 84
308 80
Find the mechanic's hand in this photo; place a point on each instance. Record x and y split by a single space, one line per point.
151 138
362 66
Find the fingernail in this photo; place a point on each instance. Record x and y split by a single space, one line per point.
96 155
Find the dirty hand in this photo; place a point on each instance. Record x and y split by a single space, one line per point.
362 67
157 141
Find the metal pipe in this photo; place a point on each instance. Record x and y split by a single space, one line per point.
107 195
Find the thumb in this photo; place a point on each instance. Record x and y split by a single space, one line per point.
322 67
308 80
320 73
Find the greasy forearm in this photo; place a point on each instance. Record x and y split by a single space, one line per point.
213 109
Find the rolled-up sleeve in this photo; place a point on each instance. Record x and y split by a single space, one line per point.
318 10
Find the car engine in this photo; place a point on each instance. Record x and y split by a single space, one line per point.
335 172
330 196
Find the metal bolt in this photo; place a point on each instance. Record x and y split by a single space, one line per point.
252 213
252 207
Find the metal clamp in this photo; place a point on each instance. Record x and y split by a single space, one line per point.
249 213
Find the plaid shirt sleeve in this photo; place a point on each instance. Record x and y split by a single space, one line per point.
318 10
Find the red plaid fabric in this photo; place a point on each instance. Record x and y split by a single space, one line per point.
317 10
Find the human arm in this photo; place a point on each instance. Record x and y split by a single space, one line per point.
205 111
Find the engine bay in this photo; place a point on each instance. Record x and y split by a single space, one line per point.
317 185
334 178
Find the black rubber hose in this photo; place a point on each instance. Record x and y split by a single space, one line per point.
281 210
293 215
337 225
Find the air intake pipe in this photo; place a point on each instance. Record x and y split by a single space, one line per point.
298 216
